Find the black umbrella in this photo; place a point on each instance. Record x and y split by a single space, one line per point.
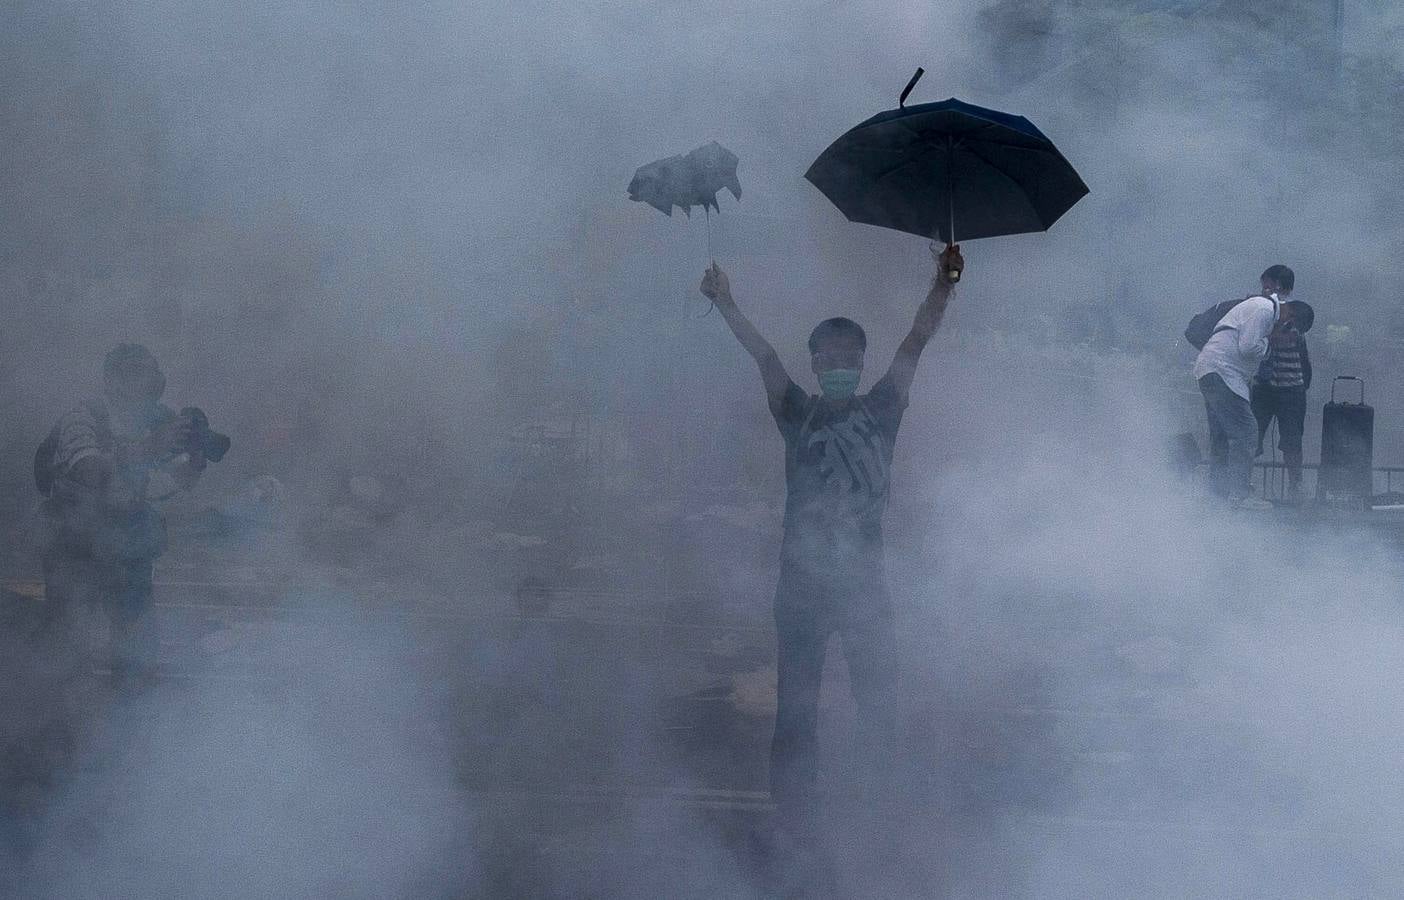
946 170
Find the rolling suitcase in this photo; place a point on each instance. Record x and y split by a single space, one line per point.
1347 447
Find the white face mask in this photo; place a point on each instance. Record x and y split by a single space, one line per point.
839 384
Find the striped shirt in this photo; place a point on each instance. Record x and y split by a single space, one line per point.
93 430
1287 364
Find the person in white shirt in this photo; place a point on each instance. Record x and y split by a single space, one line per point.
1225 368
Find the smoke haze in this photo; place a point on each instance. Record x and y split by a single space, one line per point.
500 626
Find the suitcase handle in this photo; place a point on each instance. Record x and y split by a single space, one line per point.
1358 380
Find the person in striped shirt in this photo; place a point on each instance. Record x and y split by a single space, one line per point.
102 531
1279 389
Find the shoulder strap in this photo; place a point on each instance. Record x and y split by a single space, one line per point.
44 461
1231 306
103 421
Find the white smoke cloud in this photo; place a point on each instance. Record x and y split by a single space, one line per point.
388 231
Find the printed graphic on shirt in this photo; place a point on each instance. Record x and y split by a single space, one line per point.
843 465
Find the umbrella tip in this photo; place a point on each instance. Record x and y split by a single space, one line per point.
902 101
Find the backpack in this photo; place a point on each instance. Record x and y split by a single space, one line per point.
1203 325
44 473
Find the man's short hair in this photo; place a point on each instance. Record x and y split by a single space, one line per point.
836 327
128 363
129 359
1302 315
1282 275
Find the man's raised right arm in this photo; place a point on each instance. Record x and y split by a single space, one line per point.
717 288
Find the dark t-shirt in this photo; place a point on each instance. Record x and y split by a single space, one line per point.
838 456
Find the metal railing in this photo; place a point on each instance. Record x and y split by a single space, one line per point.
1273 477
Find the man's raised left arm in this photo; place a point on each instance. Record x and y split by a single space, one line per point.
928 319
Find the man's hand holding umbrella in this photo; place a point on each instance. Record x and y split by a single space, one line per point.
949 263
716 287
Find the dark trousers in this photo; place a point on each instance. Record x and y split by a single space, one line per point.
75 582
807 613
1288 406
1231 431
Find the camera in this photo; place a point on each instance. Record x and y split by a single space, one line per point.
203 439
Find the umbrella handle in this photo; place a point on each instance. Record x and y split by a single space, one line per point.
952 274
902 101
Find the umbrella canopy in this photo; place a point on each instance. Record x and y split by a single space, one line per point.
948 170
687 180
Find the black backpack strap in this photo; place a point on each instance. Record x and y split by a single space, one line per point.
98 410
44 473
1228 306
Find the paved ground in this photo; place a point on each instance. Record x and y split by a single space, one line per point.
590 743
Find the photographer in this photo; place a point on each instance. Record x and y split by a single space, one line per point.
99 469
